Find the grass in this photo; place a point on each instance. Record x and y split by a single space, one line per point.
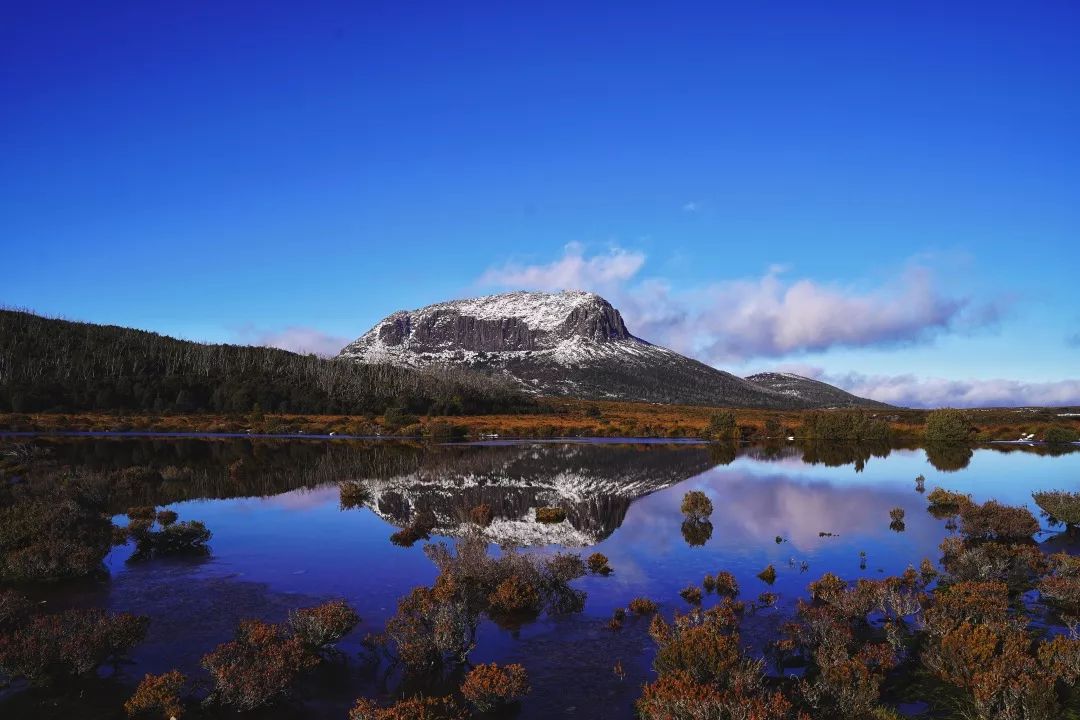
557 418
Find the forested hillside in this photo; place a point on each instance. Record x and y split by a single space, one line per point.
58 365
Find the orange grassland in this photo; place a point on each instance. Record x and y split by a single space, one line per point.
553 418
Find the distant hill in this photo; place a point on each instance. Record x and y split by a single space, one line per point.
571 344
57 365
812 391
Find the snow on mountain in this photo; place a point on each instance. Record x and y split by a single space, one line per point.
813 392
594 485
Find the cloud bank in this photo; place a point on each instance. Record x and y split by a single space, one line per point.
768 316
910 390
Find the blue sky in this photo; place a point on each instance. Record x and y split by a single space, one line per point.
885 195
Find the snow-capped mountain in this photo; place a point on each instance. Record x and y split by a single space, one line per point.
569 343
813 392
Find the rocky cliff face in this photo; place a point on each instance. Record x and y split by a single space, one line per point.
570 343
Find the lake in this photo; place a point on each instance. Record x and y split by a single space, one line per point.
283 538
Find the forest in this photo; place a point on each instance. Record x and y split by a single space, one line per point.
52 365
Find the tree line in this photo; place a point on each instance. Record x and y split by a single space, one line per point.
51 365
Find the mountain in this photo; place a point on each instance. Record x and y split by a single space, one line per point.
812 391
570 343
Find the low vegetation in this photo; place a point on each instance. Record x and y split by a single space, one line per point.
489 687
1059 507
44 648
696 506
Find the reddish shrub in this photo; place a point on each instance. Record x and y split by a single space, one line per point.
481 515
726 585
994 521
158 695
691 594
514 595
430 708
323 625
257 667
75 642
642 606
488 687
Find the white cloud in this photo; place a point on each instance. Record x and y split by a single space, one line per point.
294 338
912 391
909 390
570 272
768 316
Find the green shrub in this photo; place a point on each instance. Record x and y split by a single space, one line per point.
1060 435
1060 507
948 427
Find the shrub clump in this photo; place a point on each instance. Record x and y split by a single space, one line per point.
994 521
420 708
642 606
488 687
257 667
1059 507
691 594
897 514
44 648
550 515
726 585
948 427
54 536
158 696
696 505
945 503
321 626
176 538
1059 435
598 564
768 575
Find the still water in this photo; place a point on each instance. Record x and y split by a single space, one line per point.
282 540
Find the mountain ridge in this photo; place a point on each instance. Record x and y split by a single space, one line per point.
571 343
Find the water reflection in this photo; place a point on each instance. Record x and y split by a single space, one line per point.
285 535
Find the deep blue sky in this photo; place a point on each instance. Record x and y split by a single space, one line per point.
236 171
